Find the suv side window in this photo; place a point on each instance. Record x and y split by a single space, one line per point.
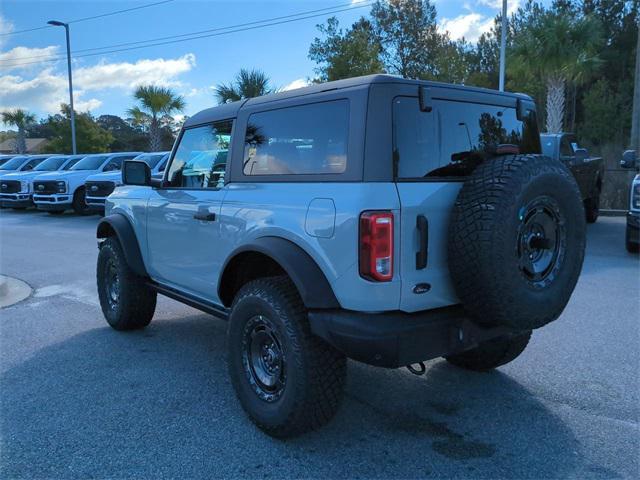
201 157
299 140
454 137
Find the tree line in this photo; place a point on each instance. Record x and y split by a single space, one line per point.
576 58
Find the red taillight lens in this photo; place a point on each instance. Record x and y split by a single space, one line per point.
376 246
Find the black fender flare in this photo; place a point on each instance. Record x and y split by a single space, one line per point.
313 286
121 226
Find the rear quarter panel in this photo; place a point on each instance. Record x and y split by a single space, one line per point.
253 210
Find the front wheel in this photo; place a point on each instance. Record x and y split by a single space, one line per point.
492 353
632 247
288 380
127 302
79 205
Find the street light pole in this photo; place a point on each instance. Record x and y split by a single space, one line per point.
503 43
73 116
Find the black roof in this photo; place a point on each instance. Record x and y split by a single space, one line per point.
230 110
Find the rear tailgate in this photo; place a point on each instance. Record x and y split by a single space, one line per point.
423 263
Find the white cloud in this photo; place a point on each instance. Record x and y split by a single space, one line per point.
470 26
297 83
28 57
48 89
44 92
512 5
129 75
5 27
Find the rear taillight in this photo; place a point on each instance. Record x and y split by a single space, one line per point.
376 246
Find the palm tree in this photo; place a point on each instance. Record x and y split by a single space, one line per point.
21 119
155 103
247 84
559 49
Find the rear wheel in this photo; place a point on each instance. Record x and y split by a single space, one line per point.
126 301
492 353
288 380
592 208
79 205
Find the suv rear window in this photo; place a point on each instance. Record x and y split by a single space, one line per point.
301 140
454 137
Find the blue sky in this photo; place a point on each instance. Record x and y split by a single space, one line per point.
104 83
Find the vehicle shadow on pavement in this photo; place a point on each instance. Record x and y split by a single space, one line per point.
158 403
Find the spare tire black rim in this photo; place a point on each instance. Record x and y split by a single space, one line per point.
263 358
541 241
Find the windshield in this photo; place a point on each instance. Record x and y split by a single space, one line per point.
72 162
151 160
90 163
14 163
51 164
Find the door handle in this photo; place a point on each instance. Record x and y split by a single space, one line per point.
423 241
205 216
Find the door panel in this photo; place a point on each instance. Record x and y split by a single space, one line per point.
182 250
433 200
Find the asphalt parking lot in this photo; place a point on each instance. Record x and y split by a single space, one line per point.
80 400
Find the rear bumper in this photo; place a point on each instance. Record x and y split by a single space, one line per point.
19 200
633 227
395 339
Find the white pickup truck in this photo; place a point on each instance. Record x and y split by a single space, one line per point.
57 192
100 185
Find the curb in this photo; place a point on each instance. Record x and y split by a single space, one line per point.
12 291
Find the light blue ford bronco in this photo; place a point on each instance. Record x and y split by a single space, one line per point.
385 220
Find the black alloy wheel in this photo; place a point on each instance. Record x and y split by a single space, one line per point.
264 359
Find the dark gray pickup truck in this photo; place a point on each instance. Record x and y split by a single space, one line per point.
588 171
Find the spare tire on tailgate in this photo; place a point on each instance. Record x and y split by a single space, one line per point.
516 241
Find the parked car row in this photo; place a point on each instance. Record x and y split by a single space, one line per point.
56 183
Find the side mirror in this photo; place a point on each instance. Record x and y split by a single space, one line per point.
524 109
581 154
426 104
629 159
136 173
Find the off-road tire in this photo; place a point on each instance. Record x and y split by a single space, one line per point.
313 373
135 301
79 205
492 276
592 208
492 353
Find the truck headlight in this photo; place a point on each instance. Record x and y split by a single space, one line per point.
62 187
25 186
635 196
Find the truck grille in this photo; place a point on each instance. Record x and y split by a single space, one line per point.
9 186
99 189
45 187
